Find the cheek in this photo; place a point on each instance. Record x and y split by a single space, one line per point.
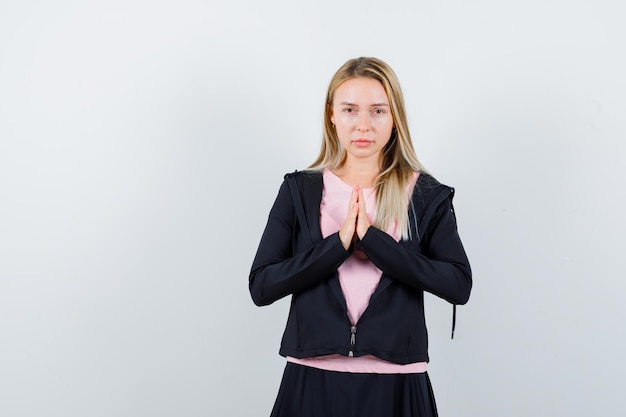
385 126
342 132
387 130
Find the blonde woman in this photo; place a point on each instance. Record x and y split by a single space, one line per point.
355 240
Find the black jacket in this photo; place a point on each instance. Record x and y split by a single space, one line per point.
294 259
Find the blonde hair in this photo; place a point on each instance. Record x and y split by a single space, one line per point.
398 160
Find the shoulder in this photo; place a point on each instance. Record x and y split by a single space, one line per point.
428 189
305 173
427 182
431 199
305 177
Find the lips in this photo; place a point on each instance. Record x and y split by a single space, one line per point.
362 142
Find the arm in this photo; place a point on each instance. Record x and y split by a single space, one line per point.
277 271
441 269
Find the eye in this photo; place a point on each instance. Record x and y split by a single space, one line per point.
379 111
349 110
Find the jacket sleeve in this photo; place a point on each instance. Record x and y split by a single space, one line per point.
442 267
276 270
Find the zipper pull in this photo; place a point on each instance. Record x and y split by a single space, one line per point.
352 340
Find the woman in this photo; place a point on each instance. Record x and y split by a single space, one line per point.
356 240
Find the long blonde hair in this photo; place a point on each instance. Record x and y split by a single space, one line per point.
398 159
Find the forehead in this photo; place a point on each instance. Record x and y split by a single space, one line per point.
361 90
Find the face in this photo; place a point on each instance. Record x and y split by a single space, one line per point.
362 117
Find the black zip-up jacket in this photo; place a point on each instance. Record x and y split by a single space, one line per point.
294 259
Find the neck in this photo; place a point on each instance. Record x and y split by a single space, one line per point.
362 172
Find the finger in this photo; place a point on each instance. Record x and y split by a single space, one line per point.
361 198
348 229
353 207
363 221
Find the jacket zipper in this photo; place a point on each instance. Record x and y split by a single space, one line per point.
352 340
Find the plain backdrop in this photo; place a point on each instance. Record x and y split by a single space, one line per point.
142 144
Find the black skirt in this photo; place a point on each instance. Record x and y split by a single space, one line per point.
311 392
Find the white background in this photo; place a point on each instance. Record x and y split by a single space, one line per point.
142 144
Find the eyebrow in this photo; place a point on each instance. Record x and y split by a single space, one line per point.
345 103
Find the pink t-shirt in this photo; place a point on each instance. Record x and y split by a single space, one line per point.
358 278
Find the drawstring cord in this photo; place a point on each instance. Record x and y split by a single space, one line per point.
453 319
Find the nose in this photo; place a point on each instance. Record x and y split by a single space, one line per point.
364 122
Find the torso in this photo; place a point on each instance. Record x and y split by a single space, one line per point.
358 278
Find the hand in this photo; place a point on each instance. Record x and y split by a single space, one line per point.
348 229
363 222
356 223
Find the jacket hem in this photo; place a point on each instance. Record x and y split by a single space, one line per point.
386 356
